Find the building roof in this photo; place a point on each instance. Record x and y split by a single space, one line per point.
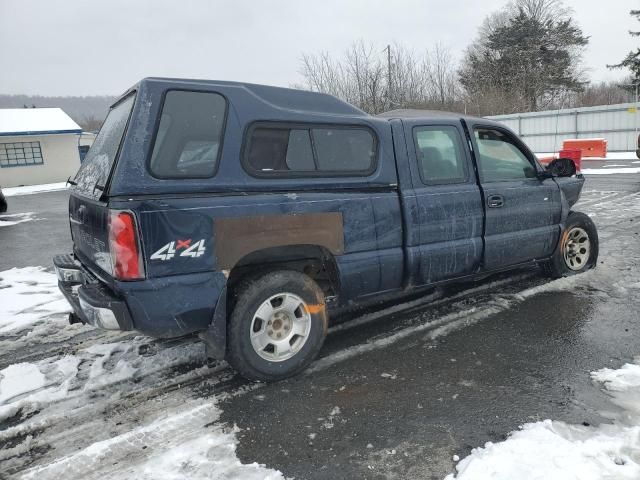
36 121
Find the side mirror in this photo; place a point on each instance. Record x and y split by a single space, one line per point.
562 167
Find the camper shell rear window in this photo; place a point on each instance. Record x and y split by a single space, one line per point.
93 174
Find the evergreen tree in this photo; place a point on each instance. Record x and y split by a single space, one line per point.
632 60
525 56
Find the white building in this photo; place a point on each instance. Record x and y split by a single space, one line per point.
38 145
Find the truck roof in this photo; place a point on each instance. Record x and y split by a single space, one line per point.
428 115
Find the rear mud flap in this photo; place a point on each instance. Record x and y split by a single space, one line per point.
215 337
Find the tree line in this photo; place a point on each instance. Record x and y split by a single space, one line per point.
526 57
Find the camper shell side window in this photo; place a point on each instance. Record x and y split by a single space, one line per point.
309 150
188 140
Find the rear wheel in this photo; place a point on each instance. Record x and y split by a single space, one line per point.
577 250
277 326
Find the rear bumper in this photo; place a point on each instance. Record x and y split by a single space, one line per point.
92 302
165 307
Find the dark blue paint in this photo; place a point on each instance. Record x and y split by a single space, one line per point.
399 233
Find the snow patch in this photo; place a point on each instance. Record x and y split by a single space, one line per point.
621 380
27 296
15 218
18 379
188 443
31 189
556 450
609 171
31 385
610 156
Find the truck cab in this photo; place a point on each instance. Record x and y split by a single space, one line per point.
247 213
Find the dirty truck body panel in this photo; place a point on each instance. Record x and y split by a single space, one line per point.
161 249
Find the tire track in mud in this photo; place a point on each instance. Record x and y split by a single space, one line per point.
41 433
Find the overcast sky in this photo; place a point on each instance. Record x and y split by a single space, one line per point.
83 47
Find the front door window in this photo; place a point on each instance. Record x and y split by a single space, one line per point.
500 159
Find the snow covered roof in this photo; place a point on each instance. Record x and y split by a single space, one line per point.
36 121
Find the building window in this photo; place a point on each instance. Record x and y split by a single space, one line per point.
20 154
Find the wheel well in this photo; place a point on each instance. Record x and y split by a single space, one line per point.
315 261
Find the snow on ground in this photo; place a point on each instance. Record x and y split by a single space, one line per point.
610 171
27 296
31 189
183 443
553 450
172 439
610 156
6 220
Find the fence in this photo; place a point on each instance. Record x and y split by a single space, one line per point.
545 131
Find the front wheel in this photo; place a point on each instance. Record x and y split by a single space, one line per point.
277 326
577 250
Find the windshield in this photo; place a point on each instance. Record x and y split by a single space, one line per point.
94 171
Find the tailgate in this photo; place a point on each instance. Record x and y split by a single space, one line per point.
90 232
88 211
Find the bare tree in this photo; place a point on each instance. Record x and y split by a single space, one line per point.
358 78
376 82
441 72
603 93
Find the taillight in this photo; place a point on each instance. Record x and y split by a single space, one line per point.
124 246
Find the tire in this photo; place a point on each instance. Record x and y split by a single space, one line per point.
272 311
577 250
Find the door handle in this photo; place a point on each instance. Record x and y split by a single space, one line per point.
495 201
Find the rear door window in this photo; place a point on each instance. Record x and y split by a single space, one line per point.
94 171
189 138
441 157
310 151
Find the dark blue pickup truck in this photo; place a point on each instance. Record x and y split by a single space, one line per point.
246 212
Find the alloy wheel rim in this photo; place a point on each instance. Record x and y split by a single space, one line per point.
280 327
577 248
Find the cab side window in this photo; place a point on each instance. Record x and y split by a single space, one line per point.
440 152
500 159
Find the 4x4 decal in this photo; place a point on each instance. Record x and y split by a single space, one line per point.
168 251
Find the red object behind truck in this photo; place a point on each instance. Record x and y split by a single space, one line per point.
590 147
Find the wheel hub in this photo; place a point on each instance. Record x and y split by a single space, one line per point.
279 326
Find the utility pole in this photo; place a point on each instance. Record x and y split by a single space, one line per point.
635 113
389 81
